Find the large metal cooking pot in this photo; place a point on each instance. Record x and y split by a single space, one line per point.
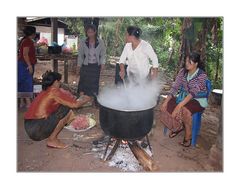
127 125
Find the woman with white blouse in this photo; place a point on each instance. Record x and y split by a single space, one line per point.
137 54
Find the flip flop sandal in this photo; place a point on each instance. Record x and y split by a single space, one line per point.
173 134
186 143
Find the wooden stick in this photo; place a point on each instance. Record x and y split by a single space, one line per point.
113 150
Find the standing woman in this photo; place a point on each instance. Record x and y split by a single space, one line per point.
136 54
26 62
91 57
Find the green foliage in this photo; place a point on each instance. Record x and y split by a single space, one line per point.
75 25
215 55
164 34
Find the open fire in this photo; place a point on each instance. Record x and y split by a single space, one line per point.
126 155
124 142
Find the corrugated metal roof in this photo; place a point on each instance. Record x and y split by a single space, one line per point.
44 21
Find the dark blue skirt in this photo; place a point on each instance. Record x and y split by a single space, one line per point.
40 129
89 79
25 79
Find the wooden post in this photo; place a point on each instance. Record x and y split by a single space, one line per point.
55 65
54 38
20 26
66 71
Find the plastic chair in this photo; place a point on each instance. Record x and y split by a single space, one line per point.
196 118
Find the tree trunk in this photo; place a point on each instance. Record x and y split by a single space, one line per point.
215 41
181 52
171 55
203 41
217 67
216 152
117 32
186 43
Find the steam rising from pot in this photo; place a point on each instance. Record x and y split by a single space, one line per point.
132 97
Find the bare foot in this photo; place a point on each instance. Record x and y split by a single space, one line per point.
56 144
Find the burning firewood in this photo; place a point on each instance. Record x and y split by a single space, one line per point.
144 159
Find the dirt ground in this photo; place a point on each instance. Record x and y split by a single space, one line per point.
169 156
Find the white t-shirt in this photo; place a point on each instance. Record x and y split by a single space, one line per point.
138 59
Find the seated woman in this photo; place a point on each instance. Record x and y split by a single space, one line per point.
192 79
51 110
